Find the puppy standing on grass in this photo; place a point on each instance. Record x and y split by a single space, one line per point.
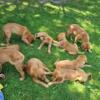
38 71
80 34
69 47
60 75
18 29
12 55
46 39
79 62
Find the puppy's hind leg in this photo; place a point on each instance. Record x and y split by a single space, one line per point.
19 68
8 36
49 47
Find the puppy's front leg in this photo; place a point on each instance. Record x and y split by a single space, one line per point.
49 47
41 45
55 82
46 69
78 37
40 82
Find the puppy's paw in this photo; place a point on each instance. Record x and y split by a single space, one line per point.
21 78
39 48
50 83
49 52
31 45
46 86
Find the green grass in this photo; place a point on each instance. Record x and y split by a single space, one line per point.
85 13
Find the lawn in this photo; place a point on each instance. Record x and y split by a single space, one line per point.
50 19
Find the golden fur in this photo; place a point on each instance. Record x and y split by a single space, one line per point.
64 43
38 71
18 29
46 39
79 62
14 57
60 75
80 34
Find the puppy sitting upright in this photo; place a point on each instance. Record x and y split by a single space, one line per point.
18 29
80 34
69 47
38 71
46 39
12 55
79 62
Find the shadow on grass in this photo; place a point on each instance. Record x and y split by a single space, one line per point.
49 19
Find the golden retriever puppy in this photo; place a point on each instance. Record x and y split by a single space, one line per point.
38 71
18 29
60 75
79 62
69 47
80 34
14 57
46 39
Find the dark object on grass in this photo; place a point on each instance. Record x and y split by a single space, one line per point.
2 76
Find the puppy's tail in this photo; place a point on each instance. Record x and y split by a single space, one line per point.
87 65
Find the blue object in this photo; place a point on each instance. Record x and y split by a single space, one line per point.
1 96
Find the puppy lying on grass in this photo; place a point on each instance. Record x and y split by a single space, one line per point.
69 47
79 62
46 39
60 75
38 71
12 55
80 34
18 29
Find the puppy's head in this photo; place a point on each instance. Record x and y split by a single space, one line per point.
82 58
86 46
61 36
30 37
